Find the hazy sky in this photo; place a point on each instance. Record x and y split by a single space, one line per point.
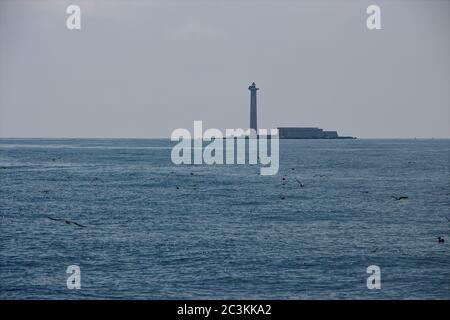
145 68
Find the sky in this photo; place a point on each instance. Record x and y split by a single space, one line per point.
141 69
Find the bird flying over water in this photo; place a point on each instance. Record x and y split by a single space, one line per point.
400 198
67 222
300 183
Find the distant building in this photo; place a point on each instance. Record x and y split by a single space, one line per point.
331 134
307 133
290 132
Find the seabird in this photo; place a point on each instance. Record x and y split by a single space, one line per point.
400 198
67 222
300 183
441 240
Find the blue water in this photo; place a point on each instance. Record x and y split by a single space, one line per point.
226 232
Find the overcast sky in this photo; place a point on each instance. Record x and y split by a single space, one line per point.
145 68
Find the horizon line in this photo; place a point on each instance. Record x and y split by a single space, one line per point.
168 138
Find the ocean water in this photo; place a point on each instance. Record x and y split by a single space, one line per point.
226 231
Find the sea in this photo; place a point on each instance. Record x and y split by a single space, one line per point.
140 227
